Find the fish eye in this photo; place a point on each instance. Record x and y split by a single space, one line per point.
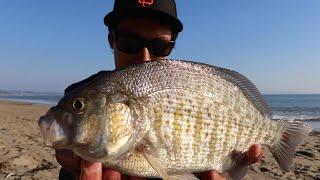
79 105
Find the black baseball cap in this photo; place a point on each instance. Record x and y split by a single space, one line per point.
164 10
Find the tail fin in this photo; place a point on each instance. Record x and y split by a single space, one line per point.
294 132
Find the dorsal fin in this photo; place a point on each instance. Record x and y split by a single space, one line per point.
243 83
247 87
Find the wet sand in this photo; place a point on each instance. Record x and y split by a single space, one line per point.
23 155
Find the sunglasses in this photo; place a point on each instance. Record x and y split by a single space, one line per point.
132 44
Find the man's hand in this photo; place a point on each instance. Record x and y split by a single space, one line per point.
69 161
84 170
253 155
94 171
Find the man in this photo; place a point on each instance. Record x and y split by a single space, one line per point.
139 31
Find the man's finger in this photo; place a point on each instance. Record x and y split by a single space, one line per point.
254 154
137 178
210 175
90 171
110 174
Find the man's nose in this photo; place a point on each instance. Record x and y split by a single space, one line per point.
145 55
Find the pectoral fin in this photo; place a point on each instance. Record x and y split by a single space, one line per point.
151 155
186 176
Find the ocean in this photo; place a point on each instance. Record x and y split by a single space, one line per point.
50 99
285 106
296 107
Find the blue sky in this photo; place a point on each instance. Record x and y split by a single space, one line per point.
47 45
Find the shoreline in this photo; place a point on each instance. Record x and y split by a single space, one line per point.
17 102
28 101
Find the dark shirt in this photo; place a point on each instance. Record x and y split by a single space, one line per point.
82 82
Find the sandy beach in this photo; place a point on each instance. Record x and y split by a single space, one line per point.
23 155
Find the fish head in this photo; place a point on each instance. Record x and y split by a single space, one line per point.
75 120
94 125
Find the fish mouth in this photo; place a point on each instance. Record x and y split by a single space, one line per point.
52 133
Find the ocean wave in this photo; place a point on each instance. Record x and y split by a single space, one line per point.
46 100
311 111
297 117
296 112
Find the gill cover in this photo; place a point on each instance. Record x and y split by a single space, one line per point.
126 124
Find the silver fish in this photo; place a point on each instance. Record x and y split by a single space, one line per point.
168 119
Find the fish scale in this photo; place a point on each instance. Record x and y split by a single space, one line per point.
176 103
167 117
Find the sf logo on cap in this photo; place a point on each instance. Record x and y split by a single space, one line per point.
145 2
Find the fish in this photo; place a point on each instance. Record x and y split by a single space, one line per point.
169 118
